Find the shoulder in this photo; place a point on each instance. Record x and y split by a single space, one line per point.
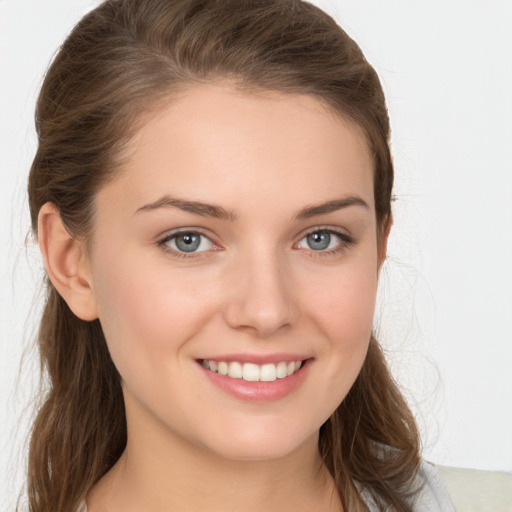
433 495
430 493
473 490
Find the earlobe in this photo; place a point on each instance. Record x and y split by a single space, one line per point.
65 262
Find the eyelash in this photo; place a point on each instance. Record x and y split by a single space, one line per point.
346 241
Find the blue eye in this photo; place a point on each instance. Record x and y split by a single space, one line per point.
188 242
325 240
319 241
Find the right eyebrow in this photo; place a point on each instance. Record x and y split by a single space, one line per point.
197 207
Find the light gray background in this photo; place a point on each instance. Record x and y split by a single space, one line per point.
445 305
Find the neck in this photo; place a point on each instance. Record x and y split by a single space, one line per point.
162 472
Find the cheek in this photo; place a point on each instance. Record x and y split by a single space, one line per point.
147 313
344 314
343 303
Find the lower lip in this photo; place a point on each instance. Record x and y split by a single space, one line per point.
258 391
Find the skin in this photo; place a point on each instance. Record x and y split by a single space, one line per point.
255 286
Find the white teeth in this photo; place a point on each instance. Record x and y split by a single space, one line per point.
223 368
235 370
281 371
268 372
251 372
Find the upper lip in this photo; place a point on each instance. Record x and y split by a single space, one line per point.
258 359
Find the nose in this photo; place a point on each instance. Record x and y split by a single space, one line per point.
261 298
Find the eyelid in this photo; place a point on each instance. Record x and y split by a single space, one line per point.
326 229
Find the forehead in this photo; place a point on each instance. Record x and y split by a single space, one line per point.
215 140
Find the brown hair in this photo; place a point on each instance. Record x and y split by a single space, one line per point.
116 64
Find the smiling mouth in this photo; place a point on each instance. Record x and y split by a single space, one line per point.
251 372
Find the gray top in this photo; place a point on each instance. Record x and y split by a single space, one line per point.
433 497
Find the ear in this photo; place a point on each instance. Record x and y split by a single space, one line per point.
66 264
383 242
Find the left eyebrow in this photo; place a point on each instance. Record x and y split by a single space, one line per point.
330 206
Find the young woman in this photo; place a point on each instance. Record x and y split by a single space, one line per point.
212 198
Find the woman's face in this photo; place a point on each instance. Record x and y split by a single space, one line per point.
239 237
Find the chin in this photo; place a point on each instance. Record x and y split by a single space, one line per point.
260 444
